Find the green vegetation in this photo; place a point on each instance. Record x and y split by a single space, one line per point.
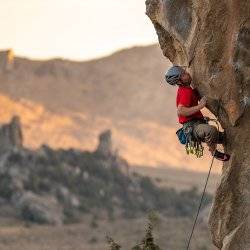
84 182
147 242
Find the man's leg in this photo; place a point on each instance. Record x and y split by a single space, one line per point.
209 134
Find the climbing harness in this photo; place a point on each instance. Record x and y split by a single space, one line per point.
204 190
186 137
193 144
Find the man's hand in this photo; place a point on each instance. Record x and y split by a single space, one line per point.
203 102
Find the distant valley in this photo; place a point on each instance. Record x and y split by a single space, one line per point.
67 104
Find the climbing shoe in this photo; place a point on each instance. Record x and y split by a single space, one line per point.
221 156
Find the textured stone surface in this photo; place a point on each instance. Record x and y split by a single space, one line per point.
213 39
11 135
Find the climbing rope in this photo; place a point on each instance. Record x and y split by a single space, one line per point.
204 190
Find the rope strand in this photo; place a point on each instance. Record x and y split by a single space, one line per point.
204 190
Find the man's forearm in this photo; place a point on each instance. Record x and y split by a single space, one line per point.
184 111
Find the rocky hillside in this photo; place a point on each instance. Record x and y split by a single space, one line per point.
213 39
58 186
67 104
125 85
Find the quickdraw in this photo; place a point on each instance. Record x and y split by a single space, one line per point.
195 148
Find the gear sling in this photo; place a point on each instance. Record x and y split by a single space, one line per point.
186 137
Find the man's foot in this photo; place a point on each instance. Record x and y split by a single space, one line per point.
221 156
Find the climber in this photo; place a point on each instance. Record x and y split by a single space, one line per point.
189 114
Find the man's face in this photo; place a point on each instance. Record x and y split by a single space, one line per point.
185 78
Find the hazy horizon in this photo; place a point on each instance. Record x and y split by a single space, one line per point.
79 60
75 30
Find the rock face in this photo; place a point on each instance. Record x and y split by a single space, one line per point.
212 38
11 135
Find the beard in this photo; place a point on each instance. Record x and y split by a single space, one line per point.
186 82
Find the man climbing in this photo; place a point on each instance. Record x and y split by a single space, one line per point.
189 104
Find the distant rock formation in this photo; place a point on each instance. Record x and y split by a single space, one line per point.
55 186
11 135
44 209
105 144
6 60
105 149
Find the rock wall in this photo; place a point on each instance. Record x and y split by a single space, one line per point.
212 38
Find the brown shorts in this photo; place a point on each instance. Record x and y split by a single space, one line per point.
206 133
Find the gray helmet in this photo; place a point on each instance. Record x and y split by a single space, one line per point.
173 75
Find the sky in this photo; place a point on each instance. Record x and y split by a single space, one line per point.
73 29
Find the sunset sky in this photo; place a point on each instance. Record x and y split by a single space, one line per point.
74 29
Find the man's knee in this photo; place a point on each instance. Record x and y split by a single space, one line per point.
213 134
206 133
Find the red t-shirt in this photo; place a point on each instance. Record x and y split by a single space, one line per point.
188 97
